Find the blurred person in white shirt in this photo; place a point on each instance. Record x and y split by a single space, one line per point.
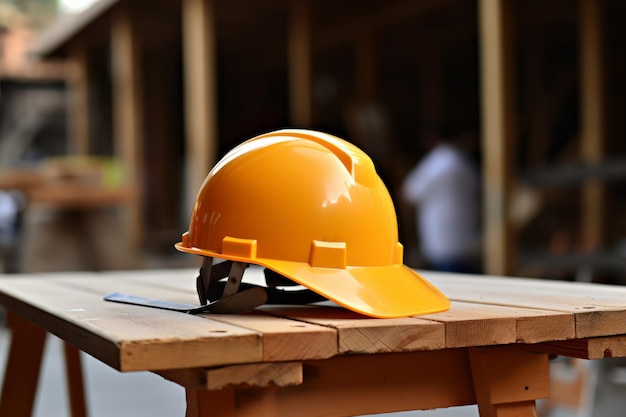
444 188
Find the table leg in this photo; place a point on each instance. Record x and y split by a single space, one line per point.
507 380
22 370
75 385
205 403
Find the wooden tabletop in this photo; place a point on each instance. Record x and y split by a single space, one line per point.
582 320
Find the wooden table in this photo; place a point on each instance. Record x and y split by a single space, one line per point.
492 348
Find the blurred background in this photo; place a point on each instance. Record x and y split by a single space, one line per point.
112 112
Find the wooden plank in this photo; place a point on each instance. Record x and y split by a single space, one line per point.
592 348
281 374
502 324
468 325
199 50
354 333
498 125
486 310
351 332
606 347
126 337
471 324
282 340
287 340
359 334
598 310
465 324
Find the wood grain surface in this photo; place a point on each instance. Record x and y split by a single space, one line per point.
545 315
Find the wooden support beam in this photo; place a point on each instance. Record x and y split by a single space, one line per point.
593 130
349 385
507 380
200 71
280 374
498 127
589 348
79 123
299 61
128 114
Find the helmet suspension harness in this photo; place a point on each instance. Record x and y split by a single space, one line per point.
221 291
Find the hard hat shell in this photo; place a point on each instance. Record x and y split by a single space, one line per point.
312 208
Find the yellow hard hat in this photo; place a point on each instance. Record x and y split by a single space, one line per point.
310 207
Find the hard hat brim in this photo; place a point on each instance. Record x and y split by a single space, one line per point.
389 291
379 291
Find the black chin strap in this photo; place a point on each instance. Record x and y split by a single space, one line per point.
212 285
221 291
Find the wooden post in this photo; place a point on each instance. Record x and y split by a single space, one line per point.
498 127
79 123
199 44
592 61
128 114
299 58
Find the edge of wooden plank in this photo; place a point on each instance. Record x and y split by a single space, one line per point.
280 374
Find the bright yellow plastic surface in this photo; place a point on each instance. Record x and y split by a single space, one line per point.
311 207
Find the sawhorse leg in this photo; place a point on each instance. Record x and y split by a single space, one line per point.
507 380
75 382
23 368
